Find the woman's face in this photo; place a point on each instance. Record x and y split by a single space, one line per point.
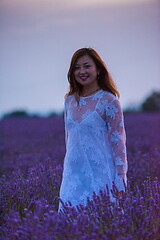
85 72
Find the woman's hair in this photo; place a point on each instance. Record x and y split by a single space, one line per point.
105 80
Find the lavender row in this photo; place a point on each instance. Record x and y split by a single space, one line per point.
32 153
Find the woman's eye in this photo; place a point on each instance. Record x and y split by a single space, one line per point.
76 67
87 66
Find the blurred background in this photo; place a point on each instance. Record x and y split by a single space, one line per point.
39 37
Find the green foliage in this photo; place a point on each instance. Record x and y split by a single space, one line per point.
18 113
23 113
152 102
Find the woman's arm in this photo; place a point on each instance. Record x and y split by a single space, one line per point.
117 138
65 121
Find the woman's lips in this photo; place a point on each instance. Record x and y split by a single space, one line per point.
83 77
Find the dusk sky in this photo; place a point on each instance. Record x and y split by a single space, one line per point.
38 38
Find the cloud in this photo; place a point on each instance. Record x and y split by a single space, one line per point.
28 16
39 9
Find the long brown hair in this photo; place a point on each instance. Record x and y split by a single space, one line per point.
105 80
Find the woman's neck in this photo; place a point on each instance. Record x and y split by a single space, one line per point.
88 90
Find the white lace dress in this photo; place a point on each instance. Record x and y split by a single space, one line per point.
95 147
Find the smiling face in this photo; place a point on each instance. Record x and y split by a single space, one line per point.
85 72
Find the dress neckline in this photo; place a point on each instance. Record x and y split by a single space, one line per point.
92 94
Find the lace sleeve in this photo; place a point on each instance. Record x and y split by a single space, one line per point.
65 120
117 138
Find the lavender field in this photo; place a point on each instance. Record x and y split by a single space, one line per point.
31 163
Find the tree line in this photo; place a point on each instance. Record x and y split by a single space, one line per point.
150 104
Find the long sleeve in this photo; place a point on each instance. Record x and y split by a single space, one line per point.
65 121
117 138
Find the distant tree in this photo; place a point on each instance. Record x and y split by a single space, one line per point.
132 108
18 113
152 102
53 114
56 114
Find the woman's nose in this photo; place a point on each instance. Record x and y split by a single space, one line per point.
82 70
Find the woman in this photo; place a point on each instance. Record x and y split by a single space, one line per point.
94 131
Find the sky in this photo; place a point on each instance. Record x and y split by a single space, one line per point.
38 39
